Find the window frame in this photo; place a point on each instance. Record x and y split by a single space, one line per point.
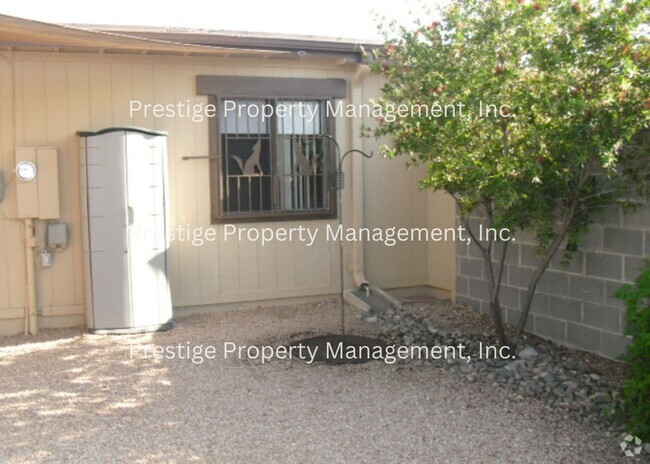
231 87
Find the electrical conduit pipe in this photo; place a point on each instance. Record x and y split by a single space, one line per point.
31 317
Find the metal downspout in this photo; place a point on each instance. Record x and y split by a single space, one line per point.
358 275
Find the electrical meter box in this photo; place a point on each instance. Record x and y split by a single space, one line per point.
38 197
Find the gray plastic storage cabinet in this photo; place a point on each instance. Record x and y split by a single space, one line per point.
125 218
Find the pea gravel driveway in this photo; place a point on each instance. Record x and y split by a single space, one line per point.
67 396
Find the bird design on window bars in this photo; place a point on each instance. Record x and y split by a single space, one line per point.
247 167
303 167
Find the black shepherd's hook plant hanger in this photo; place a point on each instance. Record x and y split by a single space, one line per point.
338 184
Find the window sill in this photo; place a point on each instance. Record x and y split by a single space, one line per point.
274 217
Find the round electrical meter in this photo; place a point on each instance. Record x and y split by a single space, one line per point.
26 171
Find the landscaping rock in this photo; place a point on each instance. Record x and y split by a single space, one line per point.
527 353
539 370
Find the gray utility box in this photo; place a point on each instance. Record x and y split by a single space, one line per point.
125 222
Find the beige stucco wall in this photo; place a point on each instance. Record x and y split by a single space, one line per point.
46 97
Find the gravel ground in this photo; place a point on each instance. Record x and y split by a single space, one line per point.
587 387
67 396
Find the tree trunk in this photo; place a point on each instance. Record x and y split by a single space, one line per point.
495 309
493 281
532 286
494 286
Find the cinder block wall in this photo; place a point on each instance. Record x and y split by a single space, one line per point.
573 305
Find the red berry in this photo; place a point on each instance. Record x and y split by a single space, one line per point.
537 6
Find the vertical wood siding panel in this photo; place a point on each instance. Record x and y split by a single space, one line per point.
13 230
321 259
16 259
19 119
78 119
7 206
182 143
248 265
143 90
285 266
121 93
229 265
267 257
56 100
243 71
303 263
101 111
34 104
163 90
7 123
4 265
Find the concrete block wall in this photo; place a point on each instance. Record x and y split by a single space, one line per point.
574 303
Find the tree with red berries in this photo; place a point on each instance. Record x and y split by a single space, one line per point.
566 85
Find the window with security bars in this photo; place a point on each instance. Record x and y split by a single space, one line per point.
274 159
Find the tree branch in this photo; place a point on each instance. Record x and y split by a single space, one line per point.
539 271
